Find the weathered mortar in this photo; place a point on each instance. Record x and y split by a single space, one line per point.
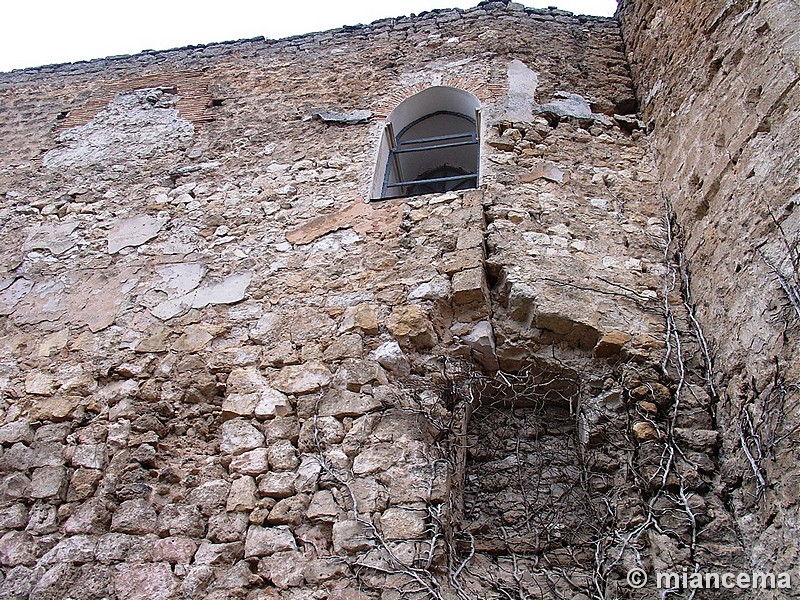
719 86
226 375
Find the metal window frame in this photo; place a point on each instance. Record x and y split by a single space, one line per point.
399 146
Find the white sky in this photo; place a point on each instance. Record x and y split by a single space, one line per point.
39 32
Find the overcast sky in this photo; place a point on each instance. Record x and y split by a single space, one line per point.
40 32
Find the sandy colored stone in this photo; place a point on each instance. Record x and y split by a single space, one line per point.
644 431
469 286
363 317
55 408
193 339
412 323
611 344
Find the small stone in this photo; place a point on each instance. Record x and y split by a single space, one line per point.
345 346
344 403
89 456
242 496
16 458
240 436
91 517
14 516
655 392
48 482
411 322
55 238
647 407
180 520
308 474
39 383
390 356
135 517
363 317
174 550
302 379
697 439
470 287
157 342
644 431
373 459
272 403
218 554
351 536
148 581
239 405
323 507
43 519
57 408
253 462
470 238
289 511
210 495
194 339
343 118
283 456
278 485
481 341
355 374
227 527
77 549
282 428
403 524
284 569
437 288
263 541
15 486
320 570
133 231
320 432
611 344
228 291
18 548
16 431
453 262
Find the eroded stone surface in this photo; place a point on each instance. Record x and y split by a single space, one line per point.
133 231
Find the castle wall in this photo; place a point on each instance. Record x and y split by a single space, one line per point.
227 375
718 84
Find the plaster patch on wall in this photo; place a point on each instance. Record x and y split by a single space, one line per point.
522 84
134 125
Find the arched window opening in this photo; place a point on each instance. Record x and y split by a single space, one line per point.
430 145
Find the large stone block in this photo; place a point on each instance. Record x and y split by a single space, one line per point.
469 287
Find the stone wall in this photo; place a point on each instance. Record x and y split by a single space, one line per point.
225 374
718 86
